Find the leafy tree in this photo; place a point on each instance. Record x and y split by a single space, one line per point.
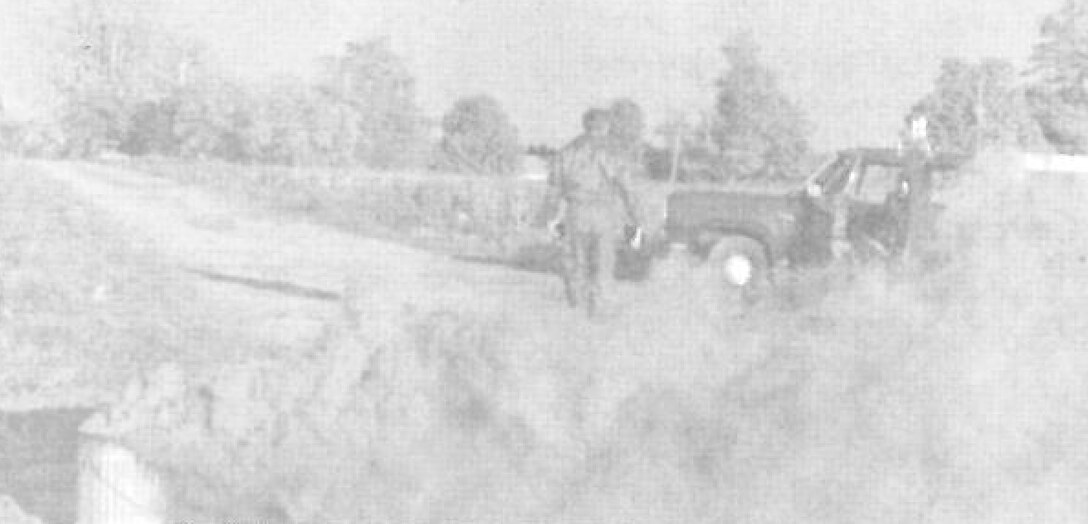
479 138
979 106
93 121
1059 70
699 158
361 111
380 92
111 57
214 118
759 130
334 132
1063 124
279 124
1059 61
151 129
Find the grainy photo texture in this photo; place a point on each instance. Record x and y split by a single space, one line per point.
543 261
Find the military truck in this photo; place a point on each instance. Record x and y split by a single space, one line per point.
747 236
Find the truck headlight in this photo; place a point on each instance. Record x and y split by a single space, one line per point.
738 270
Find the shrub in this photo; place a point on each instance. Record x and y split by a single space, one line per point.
479 138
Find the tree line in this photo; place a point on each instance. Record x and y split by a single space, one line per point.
991 104
127 84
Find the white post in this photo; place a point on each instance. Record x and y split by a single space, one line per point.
675 156
115 486
980 114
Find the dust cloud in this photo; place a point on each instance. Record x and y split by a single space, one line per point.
948 393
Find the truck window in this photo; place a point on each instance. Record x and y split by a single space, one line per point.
833 176
877 181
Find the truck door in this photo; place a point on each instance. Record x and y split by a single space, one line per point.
875 224
813 244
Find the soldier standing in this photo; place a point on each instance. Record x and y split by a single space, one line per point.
915 134
590 201
916 181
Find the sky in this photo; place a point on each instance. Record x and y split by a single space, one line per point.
853 66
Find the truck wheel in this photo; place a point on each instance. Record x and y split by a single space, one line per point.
740 265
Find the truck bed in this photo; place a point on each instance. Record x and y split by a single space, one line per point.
766 214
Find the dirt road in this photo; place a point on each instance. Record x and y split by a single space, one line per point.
279 281
283 280
505 364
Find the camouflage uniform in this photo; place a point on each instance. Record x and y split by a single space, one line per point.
589 185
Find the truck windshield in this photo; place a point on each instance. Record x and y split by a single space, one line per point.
832 177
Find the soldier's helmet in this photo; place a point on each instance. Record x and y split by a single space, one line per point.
596 121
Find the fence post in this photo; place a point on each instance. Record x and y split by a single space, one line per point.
116 486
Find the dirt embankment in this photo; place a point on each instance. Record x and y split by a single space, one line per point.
82 305
948 396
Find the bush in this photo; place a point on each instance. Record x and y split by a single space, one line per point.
964 88
479 139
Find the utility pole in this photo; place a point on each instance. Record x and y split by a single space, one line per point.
675 172
980 112
188 59
684 122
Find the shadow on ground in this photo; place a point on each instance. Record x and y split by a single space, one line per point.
275 286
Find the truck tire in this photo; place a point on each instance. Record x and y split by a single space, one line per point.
739 265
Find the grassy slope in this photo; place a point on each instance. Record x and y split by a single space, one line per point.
954 397
84 305
470 216
479 217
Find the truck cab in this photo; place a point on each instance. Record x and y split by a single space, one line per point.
748 234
